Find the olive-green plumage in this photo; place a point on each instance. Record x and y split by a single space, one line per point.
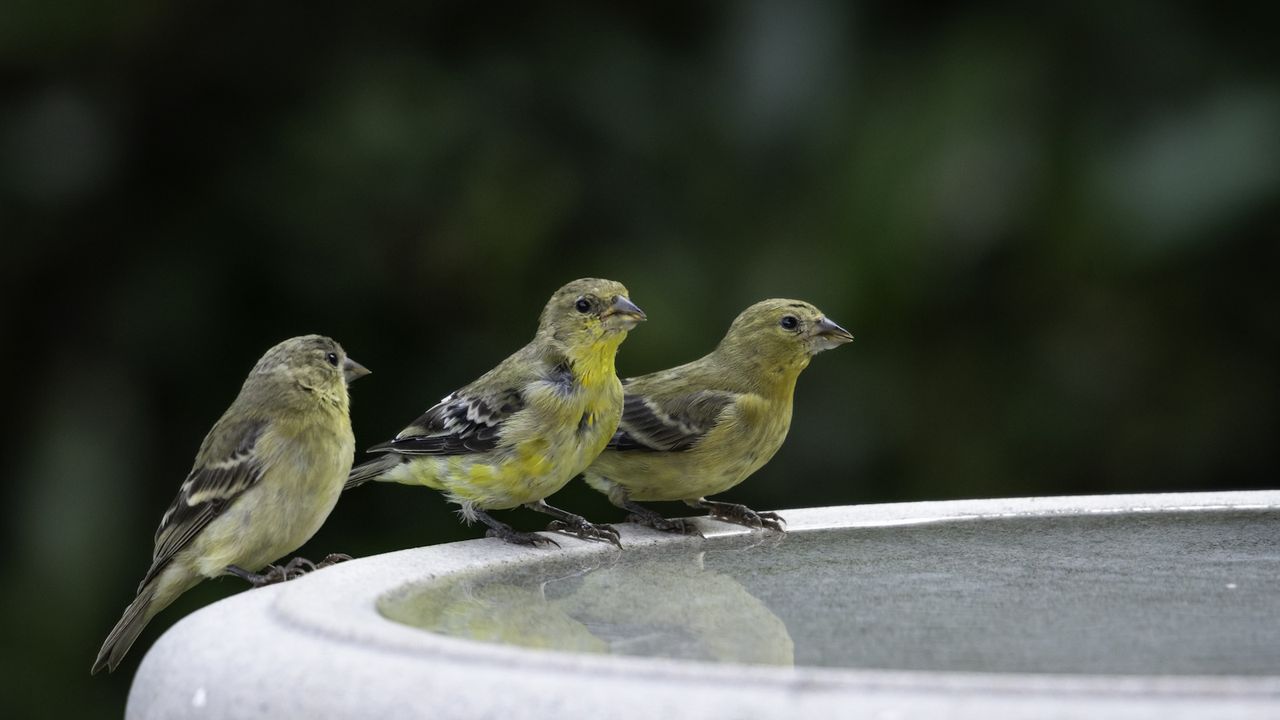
264 480
525 428
703 427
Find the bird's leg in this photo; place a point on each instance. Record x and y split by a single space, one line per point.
502 531
741 514
642 515
273 575
575 525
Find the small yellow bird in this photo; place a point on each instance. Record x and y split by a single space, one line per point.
702 428
266 477
525 428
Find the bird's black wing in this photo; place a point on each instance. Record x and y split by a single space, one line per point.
670 423
461 423
209 489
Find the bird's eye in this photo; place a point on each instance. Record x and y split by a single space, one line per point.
789 322
332 359
583 305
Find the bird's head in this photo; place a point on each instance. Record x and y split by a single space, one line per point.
783 332
588 311
314 362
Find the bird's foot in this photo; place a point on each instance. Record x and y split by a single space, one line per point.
515 537
671 525
255 579
292 570
642 515
506 533
297 567
271 574
580 527
743 515
332 559
576 525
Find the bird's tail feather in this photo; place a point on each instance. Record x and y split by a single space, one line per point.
135 618
365 472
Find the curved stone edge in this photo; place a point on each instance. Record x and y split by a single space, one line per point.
316 647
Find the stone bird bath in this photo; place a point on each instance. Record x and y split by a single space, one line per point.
1143 606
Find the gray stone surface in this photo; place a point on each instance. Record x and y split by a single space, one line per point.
1114 606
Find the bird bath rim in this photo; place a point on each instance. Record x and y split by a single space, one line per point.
337 609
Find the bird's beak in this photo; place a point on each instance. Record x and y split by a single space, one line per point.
827 335
353 370
626 312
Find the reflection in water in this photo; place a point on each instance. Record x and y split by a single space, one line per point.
1130 593
672 605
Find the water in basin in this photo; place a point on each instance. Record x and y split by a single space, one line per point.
1136 593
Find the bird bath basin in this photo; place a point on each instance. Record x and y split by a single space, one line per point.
1185 593
1135 606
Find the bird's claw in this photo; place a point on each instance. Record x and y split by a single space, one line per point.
516 537
297 567
673 525
587 530
292 570
332 559
273 574
772 521
743 515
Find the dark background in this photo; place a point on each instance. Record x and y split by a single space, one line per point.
1052 230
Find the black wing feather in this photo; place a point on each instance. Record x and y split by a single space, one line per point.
457 425
673 425
208 490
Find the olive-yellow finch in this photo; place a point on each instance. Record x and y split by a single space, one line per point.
701 428
264 480
528 426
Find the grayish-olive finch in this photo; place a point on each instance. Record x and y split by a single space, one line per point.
266 477
702 428
525 428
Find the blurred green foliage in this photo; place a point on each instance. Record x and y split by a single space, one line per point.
1051 227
